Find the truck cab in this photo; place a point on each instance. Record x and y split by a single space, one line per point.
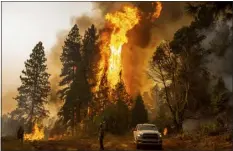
147 134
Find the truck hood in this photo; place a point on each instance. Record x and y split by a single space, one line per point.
149 132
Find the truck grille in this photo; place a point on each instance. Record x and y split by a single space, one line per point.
150 136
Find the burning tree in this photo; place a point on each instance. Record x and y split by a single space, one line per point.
97 82
102 96
120 94
90 63
119 24
35 88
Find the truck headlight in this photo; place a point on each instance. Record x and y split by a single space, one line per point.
139 135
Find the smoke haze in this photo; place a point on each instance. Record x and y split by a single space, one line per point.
141 45
143 40
8 105
219 40
135 55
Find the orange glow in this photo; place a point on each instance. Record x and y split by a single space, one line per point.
114 36
165 131
57 137
37 134
158 10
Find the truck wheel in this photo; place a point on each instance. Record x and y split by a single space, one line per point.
159 147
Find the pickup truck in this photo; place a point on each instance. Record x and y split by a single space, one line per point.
147 134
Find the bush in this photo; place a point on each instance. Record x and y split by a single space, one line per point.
89 127
139 112
228 137
116 117
163 122
163 119
209 129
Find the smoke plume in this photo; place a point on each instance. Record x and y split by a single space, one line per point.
135 55
142 40
219 41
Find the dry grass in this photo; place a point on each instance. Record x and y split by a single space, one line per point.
112 142
16 145
204 142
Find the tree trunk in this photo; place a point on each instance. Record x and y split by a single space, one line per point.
179 128
166 91
72 126
31 120
177 120
77 118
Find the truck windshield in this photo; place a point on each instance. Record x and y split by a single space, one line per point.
147 127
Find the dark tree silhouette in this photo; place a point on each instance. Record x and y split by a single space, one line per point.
35 87
90 64
71 66
70 58
139 112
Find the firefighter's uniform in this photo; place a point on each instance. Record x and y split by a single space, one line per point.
20 133
101 136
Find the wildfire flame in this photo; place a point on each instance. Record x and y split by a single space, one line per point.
121 23
165 131
158 10
37 134
57 137
114 36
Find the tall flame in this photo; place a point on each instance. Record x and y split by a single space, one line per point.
121 23
158 9
114 36
37 134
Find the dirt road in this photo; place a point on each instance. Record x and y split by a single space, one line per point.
122 143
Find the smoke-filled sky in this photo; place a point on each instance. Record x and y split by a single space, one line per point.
24 24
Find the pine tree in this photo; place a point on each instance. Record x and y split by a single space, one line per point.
35 87
91 54
91 57
102 95
139 112
71 59
71 67
122 117
120 93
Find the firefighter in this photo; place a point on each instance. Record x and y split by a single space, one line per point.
101 134
20 134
